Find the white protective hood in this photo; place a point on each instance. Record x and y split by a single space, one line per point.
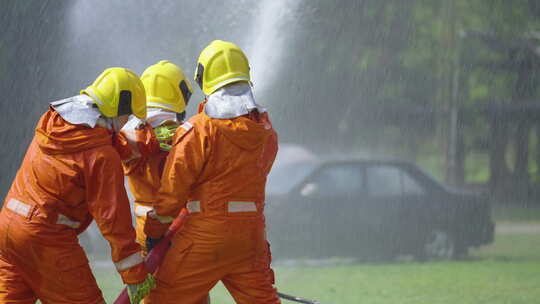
154 116
81 110
232 101
157 116
78 110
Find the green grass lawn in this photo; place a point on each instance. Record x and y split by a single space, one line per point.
507 271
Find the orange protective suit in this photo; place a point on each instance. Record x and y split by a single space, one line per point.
71 175
144 174
217 168
143 164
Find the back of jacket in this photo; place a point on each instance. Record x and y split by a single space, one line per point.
142 162
74 171
144 178
218 161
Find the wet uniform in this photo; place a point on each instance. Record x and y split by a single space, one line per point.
217 169
70 176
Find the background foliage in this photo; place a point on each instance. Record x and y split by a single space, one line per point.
360 77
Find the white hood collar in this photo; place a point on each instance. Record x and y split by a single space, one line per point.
157 116
81 110
78 110
232 101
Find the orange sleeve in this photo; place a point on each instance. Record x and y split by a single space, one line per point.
109 205
270 151
182 167
135 146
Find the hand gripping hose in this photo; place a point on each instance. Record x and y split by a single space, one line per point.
156 255
164 135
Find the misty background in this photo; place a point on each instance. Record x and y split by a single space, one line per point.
450 85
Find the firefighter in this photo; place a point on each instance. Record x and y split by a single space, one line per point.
71 175
217 169
167 94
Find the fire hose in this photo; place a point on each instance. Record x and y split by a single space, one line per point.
156 255
297 299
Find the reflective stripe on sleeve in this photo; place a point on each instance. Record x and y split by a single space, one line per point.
194 206
186 126
24 209
131 136
242 207
129 262
142 210
18 207
64 220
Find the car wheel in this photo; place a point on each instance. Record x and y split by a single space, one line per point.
438 245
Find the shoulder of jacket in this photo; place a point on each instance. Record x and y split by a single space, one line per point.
187 127
105 152
200 123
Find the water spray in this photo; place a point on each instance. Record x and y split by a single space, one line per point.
268 38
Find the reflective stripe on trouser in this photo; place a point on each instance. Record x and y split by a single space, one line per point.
24 209
233 251
232 206
141 210
54 269
129 261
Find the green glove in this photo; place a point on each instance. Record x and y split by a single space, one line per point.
164 135
165 132
165 147
137 292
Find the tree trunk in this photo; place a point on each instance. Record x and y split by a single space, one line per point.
521 172
460 153
497 151
537 186
448 91
452 148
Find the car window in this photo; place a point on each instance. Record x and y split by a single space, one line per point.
410 186
283 178
337 181
387 180
383 181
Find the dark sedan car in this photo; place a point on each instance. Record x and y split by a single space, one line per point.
371 209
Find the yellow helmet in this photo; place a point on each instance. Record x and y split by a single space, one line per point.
166 87
220 64
118 91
